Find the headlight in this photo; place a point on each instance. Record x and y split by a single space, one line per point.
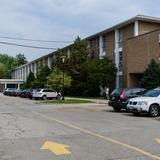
142 103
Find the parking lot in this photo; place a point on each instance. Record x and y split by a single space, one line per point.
30 130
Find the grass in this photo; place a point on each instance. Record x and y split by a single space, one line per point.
100 98
67 101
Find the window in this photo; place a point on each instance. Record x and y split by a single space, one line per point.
137 90
120 61
120 81
104 44
152 93
129 92
117 91
120 39
98 45
91 44
88 44
132 91
68 53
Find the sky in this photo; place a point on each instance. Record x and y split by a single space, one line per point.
63 20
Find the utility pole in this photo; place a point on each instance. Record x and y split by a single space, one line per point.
63 60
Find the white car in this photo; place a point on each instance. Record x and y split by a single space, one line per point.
148 103
46 94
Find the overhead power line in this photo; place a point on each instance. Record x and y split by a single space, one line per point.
27 46
35 40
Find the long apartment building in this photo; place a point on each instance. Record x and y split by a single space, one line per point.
130 45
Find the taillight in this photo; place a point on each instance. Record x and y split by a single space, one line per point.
122 96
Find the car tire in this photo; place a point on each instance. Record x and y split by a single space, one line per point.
58 97
44 97
117 109
154 110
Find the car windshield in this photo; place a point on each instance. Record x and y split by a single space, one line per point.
37 90
152 93
117 91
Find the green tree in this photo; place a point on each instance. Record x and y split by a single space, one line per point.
151 76
9 62
55 80
76 67
42 75
21 59
30 80
3 71
87 74
101 72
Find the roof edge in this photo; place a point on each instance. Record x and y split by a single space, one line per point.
131 20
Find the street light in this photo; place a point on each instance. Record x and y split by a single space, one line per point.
63 59
47 84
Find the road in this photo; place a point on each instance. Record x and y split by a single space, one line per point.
30 130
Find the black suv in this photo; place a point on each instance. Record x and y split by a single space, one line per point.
119 97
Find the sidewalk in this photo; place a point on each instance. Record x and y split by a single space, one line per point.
99 101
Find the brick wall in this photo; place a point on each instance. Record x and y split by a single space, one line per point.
140 51
145 27
110 45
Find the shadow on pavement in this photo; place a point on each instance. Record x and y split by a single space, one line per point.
130 114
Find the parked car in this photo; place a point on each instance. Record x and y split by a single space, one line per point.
23 94
31 92
27 93
119 97
16 92
5 91
46 94
8 91
148 103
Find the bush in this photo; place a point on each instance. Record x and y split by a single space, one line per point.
151 77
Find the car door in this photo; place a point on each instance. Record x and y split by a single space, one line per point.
48 94
51 93
45 93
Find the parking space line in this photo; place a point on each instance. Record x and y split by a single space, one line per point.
85 131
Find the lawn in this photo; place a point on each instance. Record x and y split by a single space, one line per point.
67 101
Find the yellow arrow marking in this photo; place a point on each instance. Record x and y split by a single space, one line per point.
56 148
157 140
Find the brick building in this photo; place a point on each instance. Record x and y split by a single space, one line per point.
117 43
130 45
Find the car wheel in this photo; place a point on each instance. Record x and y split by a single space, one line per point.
117 109
58 97
154 111
44 97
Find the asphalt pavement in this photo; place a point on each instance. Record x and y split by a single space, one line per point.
30 130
